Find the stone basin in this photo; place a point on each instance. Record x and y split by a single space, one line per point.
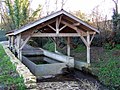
43 66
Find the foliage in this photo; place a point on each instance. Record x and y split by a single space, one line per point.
107 46
49 46
81 16
9 78
109 72
80 48
32 43
117 46
2 35
115 35
18 13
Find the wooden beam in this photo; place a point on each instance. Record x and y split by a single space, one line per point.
24 42
73 27
18 47
63 27
68 46
81 36
60 19
57 26
55 44
12 42
76 24
88 48
44 24
92 38
52 27
9 41
55 35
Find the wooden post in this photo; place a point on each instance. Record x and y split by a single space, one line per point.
55 44
19 44
57 26
12 42
9 43
88 47
68 46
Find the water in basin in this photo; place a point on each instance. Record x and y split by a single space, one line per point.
41 59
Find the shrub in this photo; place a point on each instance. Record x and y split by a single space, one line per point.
108 46
80 48
49 46
117 46
109 73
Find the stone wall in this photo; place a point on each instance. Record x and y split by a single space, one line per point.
29 78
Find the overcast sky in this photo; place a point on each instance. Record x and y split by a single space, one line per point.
86 6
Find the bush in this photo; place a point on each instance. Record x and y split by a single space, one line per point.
109 73
117 46
80 48
108 46
49 46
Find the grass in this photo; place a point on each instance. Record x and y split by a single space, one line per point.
107 68
9 78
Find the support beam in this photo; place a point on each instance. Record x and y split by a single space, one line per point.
57 35
57 26
81 36
73 27
63 27
55 44
88 48
68 46
12 43
24 42
92 38
52 27
9 43
18 47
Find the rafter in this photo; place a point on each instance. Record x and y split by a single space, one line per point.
62 27
52 27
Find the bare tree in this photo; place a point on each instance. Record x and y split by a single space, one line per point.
116 5
63 2
47 6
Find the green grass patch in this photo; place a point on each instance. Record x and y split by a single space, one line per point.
9 78
107 68
109 73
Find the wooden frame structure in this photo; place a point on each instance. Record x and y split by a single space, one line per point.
58 24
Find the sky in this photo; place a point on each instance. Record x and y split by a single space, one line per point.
86 6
